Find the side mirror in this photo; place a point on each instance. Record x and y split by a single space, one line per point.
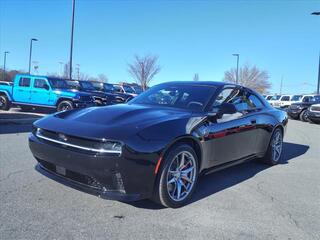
224 108
46 87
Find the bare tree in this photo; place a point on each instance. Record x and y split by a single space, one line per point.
251 77
196 77
143 69
103 78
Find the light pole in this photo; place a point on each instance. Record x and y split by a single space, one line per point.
4 65
71 45
318 85
78 71
31 40
237 76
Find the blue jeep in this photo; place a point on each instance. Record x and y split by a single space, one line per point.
30 91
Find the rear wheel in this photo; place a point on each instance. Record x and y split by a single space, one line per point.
303 116
4 103
274 152
178 177
64 106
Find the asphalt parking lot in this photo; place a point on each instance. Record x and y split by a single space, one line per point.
248 201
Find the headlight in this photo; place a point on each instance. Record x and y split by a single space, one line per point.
111 147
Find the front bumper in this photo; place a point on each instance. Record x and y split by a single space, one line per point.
313 115
111 177
293 113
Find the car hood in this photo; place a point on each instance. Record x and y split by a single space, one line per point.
116 121
70 91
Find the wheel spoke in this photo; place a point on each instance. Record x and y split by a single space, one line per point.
186 171
178 190
186 178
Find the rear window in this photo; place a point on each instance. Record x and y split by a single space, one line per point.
285 98
24 82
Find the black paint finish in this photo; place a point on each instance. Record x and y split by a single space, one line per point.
147 133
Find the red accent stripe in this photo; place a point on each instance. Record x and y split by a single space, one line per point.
158 165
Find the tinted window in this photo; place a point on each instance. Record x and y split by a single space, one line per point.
255 102
296 98
57 83
275 98
40 83
87 85
307 99
285 98
24 82
224 96
186 96
269 98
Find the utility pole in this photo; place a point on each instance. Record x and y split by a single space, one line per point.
71 45
30 53
78 71
4 65
281 85
318 87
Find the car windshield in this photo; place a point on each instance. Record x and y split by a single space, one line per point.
186 96
296 98
128 89
73 84
315 98
87 86
269 98
108 87
137 89
275 98
57 83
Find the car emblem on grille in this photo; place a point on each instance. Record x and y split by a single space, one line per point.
62 137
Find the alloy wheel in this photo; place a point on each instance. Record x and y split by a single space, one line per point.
181 176
276 146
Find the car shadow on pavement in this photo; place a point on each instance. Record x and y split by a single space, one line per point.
218 181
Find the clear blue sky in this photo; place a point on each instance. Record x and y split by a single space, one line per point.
188 36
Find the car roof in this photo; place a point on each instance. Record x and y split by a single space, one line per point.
202 83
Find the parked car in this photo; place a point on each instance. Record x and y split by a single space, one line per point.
100 98
313 113
110 89
149 148
40 91
125 89
274 99
286 100
299 110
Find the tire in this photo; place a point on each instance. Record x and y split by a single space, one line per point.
64 106
303 116
4 103
166 193
273 156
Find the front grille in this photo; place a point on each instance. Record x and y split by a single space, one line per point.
294 107
315 108
74 176
115 181
75 143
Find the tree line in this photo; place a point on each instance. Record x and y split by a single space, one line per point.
143 69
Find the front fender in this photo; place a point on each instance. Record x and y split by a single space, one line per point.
7 94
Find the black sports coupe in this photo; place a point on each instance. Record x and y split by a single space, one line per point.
158 144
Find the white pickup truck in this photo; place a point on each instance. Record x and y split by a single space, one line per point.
286 100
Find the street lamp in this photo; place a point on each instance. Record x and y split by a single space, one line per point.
31 40
237 76
318 86
71 45
4 64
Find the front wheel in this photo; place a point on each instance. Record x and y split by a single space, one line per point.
304 116
64 106
274 152
178 177
4 103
